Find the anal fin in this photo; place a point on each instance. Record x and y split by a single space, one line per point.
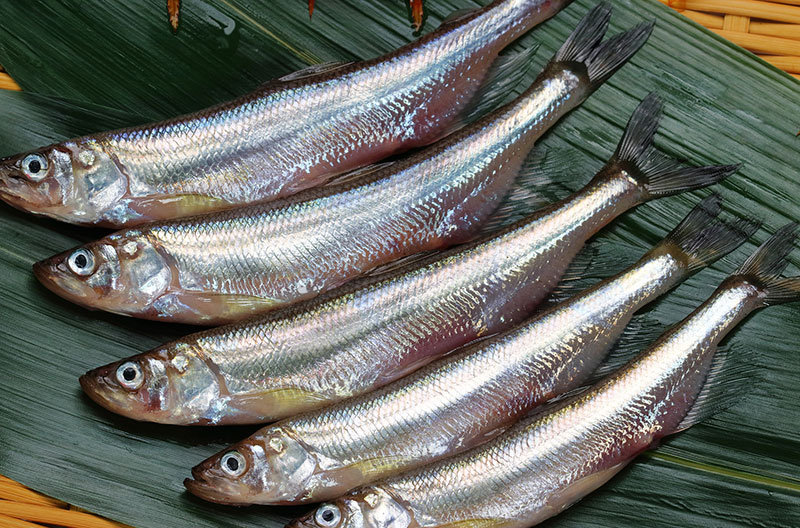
358 174
637 336
504 76
402 262
732 375
537 184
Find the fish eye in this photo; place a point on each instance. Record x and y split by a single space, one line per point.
328 515
233 463
81 262
130 375
34 166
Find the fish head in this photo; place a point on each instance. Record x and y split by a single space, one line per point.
169 385
368 507
122 273
269 467
135 387
75 181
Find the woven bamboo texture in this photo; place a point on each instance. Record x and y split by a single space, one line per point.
21 507
769 29
6 82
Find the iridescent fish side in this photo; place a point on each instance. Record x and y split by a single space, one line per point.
222 267
352 340
291 134
546 463
464 399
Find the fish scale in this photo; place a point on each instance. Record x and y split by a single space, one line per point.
224 266
364 335
288 135
470 396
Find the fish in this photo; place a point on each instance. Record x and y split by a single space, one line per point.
465 398
222 267
288 135
550 460
377 329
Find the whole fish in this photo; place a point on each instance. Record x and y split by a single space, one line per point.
367 334
291 134
464 399
548 462
224 266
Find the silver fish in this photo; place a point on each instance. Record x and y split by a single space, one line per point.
289 135
224 266
548 462
376 330
464 399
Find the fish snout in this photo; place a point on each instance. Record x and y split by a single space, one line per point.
209 483
101 386
32 192
126 387
54 274
14 190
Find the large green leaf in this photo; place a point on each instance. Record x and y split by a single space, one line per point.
722 105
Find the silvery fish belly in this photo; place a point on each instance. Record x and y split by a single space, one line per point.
464 399
291 134
547 462
375 330
221 267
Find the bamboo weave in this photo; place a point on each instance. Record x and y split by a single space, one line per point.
769 29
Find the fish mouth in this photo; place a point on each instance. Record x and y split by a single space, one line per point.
20 194
199 487
12 199
102 387
208 487
97 385
47 272
52 273
10 195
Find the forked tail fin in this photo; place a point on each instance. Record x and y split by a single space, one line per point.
732 375
765 266
701 238
658 174
601 59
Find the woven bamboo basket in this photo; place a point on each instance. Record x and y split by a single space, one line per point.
769 29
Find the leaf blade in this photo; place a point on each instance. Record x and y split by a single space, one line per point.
55 440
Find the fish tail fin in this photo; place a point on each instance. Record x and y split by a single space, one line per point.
601 59
701 238
733 372
764 267
659 175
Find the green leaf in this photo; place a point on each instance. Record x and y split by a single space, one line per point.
722 105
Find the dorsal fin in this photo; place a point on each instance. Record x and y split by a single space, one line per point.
458 14
314 69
